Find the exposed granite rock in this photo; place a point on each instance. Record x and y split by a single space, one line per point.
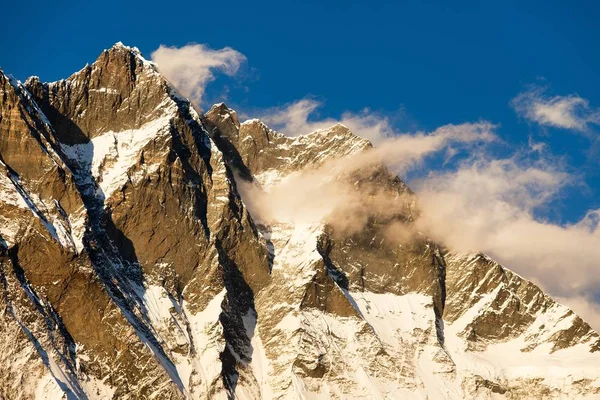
130 266
52 288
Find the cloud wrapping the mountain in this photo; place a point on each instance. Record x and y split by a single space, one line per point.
190 68
315 194
490 206
483 204
568 112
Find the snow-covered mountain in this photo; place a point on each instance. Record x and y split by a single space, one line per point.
134 265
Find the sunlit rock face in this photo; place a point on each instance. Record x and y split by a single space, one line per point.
138 261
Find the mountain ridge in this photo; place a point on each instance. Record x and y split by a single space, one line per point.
146 272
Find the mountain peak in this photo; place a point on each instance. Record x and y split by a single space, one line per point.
32 80
121 90
119 46
337 129
222 109
130 56
128 60
224 114
146 252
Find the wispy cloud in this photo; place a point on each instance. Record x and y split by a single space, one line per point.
314 194
568 112
483 203
490 206
190 68
294 119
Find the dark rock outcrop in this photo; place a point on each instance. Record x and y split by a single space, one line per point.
130 266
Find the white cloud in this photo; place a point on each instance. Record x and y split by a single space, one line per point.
569 112
190 68
313 195
483 204
293 120
490 206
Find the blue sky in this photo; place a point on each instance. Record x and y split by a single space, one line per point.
423 64
529 68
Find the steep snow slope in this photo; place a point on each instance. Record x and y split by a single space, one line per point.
393 333
130 267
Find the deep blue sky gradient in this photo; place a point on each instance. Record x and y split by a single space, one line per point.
423 63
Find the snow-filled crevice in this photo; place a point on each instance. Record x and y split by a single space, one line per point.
60 366
237 303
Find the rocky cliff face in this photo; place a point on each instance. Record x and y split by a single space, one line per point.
131 266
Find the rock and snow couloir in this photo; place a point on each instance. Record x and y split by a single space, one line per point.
131 266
